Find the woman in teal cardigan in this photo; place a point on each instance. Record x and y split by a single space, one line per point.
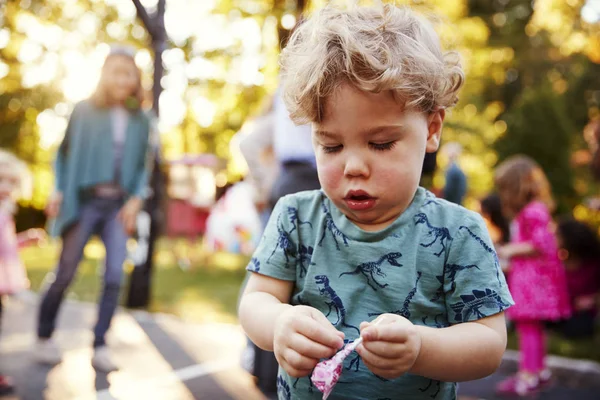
101 180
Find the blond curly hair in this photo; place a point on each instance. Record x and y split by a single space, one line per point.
375 49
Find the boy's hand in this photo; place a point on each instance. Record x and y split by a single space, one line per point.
391 348
302 337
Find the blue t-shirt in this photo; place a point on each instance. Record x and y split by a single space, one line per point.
434 265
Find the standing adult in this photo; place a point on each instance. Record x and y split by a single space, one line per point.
101 182
456 180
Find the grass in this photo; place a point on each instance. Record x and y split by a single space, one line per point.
202 293
208 291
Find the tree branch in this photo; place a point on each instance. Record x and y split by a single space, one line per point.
143 15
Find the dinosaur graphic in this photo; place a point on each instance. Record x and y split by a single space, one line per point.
284 242
305 254
334 303
450 270
439 234
283 389
332 229
254 265
295 220
472 304
436 323
372 268
486 248
404 311
431 383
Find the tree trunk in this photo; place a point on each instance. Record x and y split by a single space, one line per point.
138 295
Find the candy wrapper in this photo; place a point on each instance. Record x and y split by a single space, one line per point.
327 373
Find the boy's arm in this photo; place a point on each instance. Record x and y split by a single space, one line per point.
462 352
264 299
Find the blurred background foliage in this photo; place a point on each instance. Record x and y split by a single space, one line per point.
533 79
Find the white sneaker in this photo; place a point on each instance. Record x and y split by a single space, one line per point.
47 352
102 360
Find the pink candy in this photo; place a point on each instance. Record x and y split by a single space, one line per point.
327 373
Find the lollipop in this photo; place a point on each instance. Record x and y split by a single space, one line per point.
327 373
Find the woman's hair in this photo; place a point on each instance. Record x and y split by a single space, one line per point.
375 49
519 181
101 97
492 207
579 240
12 165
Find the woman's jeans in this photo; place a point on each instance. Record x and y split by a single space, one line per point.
98 216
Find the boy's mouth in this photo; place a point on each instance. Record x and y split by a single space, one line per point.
359 200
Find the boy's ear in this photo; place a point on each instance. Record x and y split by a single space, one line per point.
435 121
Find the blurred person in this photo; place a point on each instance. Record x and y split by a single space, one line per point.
372 246
256 145
498 225
102 169
536 277
13 278
579 250
294 158
455 187
256 140
293 149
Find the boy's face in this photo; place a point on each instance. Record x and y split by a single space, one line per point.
370 154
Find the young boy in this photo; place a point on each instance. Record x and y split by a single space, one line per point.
372 245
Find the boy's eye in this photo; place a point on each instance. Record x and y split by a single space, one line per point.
382 146
332 149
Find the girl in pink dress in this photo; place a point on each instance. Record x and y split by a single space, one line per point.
536 277
12 273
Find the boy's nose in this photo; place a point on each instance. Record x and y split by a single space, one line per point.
356 166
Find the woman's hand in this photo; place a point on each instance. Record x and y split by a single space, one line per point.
54 203
128 214
302 337
391 345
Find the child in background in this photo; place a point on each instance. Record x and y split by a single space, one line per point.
536 277
579 250
372 254
13 278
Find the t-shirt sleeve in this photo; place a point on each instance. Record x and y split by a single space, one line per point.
474 285
277 251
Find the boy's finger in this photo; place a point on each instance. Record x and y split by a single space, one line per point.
386 333
308 348
387 350
319 331
298 361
